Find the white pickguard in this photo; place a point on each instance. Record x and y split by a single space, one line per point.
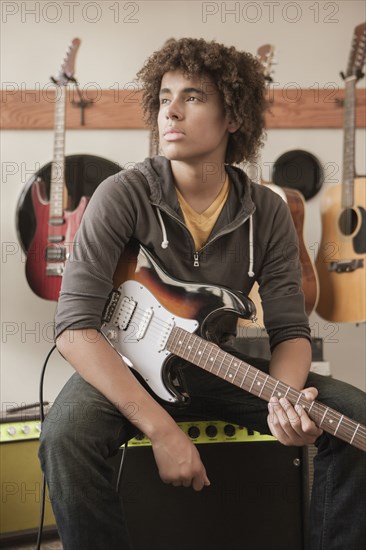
142 340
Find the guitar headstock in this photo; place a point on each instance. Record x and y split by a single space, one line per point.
265 55
357 55
67 69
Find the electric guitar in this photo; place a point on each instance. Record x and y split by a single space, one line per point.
296 204
342 252
153 319
55 225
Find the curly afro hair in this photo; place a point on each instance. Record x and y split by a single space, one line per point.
238 76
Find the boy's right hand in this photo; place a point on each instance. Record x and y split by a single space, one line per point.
178 460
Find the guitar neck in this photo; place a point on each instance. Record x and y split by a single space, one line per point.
349 142
211 358
57 189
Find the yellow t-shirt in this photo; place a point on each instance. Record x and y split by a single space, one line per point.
200 225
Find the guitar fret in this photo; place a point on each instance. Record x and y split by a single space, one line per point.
245 375
235 363
229 374
237 370
176 334
298 399
189 346
254 379
263 385
325 412
213 361
357 427
311 406
222 360
228 369
201 353
339 423
198 351
275 388
207 358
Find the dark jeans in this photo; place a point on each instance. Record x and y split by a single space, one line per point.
83 429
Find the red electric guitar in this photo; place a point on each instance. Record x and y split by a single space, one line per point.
55 225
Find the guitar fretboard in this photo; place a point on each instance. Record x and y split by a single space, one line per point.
58 164
211 358
349 142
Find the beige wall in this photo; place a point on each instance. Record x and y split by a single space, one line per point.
312 41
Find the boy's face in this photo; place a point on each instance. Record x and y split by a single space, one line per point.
193 127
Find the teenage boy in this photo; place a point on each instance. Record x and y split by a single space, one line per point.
205 221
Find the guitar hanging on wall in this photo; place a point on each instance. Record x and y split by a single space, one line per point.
342 252
55 224
296 204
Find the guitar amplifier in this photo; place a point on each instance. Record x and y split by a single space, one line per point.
257 499
21 480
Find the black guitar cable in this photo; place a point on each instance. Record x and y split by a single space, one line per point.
41 414
42 417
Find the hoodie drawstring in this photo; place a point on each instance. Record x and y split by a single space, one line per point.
165 242
251 248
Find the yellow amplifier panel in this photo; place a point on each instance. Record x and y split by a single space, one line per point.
212 431
21 486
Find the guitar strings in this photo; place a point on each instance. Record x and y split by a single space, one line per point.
344 424
251 374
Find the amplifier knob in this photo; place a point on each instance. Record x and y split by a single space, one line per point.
193 432
11 430
26 429
211 431
229 430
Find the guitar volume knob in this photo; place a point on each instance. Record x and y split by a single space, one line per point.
112 335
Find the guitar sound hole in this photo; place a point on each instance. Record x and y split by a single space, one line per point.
348 221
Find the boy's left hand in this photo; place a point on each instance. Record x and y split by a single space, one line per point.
291 425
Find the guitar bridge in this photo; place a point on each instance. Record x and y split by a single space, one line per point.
345 266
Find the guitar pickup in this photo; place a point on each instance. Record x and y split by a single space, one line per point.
55 254
55 238
125 313
110 306
146 318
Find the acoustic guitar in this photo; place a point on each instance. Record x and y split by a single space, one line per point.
55 224
341 257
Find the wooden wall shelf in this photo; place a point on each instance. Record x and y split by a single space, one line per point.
113 109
